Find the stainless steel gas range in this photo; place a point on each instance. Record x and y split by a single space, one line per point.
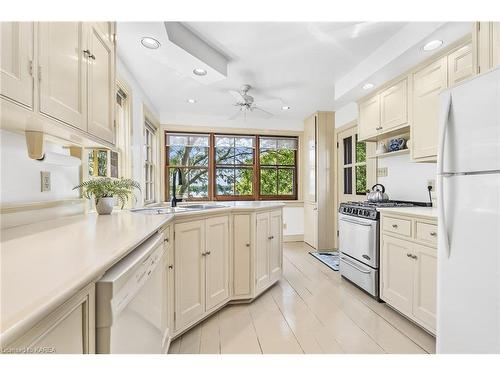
359 245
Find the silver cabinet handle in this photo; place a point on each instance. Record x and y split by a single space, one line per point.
433 234
378 128
408 255
170 267
207 253
166 239
92 57
270 237
356 222
86 52
247 245
203 254
414 257
394 226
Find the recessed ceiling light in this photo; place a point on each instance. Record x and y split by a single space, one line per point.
285 108
191 101
367 86
150 43
432 45
200 72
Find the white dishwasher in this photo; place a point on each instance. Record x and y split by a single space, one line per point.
131 302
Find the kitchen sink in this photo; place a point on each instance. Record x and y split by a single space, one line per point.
172 210
202 206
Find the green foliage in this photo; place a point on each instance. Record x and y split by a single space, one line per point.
105 187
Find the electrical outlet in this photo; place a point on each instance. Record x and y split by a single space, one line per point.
382 172
432 184
45 181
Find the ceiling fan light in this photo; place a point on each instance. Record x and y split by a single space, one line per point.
191 101
285 108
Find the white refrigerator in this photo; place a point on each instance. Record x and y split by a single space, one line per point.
468 295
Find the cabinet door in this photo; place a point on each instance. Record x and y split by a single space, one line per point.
217 261
425 285
242 255
396 268
70 329
189 265
16 65
428 82
169 283
394 106
63 71
262 277
311 224
488 45
101 81
369 117
275 246
460 65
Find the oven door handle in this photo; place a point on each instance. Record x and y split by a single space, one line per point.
356 222
353 265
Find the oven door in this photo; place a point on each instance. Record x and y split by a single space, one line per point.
358 238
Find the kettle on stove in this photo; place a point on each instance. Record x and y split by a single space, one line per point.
377 194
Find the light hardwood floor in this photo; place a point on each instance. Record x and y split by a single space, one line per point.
311 310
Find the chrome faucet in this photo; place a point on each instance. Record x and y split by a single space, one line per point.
178 175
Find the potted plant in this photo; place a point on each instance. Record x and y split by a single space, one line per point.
104 190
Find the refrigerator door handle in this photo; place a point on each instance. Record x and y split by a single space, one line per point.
441 174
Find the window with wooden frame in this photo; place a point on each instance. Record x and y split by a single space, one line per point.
191 154
149 162
231 167
354 161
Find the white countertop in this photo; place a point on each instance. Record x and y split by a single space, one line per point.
430 212
44 264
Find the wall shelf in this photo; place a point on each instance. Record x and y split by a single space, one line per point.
393 153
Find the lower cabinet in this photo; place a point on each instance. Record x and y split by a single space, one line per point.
201 268
70 329
409 275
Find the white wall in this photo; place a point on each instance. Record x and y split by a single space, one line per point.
139 98
346 114
406 180
293 221
20 175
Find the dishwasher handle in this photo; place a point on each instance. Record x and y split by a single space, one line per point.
356 222
347 261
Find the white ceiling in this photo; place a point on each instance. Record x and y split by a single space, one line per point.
297 63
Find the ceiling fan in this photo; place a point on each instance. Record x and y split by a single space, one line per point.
246 104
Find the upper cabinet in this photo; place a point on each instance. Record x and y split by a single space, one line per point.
486 37
68 82
385 111
62 67
16 65
460 64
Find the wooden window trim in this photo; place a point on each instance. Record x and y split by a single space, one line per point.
212 196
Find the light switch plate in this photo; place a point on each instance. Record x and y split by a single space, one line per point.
45 181
382 172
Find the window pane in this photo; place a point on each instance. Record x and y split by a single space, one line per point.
268 157
288 143
268 181
286 157
91 163
361 180
224 155
244 181
285 181
176 139
348 150
195 183
187 156
224 181
268 143
243 155
113 164
360 151
102 163
348 180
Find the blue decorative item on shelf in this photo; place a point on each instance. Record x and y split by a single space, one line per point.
397 144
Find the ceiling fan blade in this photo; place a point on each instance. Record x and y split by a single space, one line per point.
236 115
270 103
237 95
262 112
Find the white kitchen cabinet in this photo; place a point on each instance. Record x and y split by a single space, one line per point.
397 273
394 106
169 283
369 117
101 84
16 64
262 276
408 269
217 261
275 246
62 72
424 285
70 329
189 267
460 64
428 82
242 255
486 37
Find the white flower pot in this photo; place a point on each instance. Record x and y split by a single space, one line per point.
105 206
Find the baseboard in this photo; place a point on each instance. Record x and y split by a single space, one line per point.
293 238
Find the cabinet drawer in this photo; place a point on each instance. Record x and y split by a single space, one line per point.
398 226
426 232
